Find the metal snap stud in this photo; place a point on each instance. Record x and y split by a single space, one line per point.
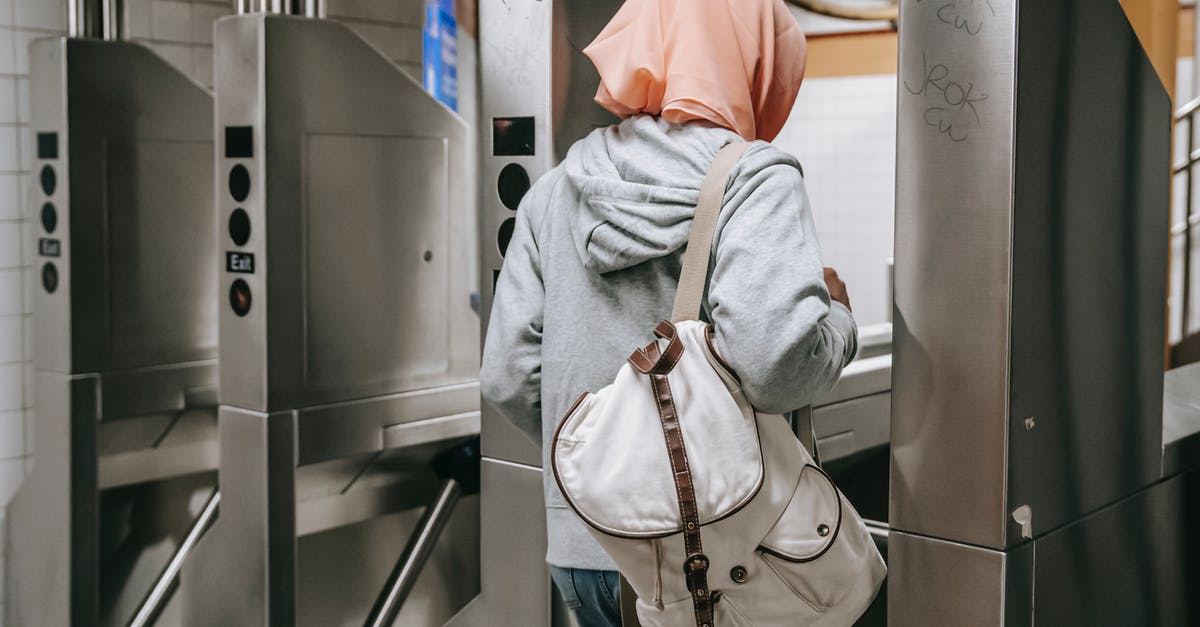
823 530
691 525
738 574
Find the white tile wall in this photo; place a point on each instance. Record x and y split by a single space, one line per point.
843 130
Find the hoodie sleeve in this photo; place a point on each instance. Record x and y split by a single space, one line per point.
771 312
511 376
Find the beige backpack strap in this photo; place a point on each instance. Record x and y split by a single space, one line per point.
694 275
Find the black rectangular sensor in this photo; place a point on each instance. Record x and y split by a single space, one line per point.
239 142
47 145
512 137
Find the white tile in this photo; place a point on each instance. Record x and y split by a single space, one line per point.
139 19
30 279
10 244
202 58
9 159
204 17
179 56
3 533
12 347
10 292
8 101
11 388
6 19
27 385
30 430
172 21
10 196
12 473
12 434
8 51
27 338
24 39
46 14
28 244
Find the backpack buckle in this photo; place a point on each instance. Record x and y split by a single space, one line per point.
695 571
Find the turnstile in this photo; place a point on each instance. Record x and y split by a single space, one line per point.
1034 479
349 350
125 332
536 91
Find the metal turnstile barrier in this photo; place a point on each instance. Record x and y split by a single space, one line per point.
349 351
1035 477
124 331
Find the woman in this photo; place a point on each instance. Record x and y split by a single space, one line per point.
595 257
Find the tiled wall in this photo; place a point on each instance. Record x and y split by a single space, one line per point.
181 32
843 130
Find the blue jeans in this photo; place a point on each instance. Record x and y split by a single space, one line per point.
593 595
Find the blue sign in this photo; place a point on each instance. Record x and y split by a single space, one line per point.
441 52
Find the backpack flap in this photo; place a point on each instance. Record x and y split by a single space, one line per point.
610 455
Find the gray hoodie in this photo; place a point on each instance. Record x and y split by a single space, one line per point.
593 265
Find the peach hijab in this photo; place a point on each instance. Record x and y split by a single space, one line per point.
735 63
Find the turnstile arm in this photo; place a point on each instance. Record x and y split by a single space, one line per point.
167 581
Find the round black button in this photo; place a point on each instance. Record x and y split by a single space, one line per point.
822 530
512 185
239 226
49 216
239 297
49 180
505 235
239 182
49 277
738 574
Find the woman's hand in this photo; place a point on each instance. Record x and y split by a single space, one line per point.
837 288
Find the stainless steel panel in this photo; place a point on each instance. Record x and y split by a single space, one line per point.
1134 563
363 236
252 547
134 206
360 427
52 580
947 583
853 426
516 581
953 239
1089 262
1030 267
380 214
1181 419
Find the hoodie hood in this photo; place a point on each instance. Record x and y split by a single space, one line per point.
638 183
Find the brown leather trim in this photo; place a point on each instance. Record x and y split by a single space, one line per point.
695 565
837 528
652 359
574 406
712 349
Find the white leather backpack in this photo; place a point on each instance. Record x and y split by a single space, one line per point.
714 512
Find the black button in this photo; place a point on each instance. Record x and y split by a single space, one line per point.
49 217
239 182
49 277
49 180
738 574
47 145
239 297
505 235
239 226
513 183
823 530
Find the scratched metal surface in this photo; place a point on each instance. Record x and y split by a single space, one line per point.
953 230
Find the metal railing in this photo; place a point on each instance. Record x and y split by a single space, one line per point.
1185 227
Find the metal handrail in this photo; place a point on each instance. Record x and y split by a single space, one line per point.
158 596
